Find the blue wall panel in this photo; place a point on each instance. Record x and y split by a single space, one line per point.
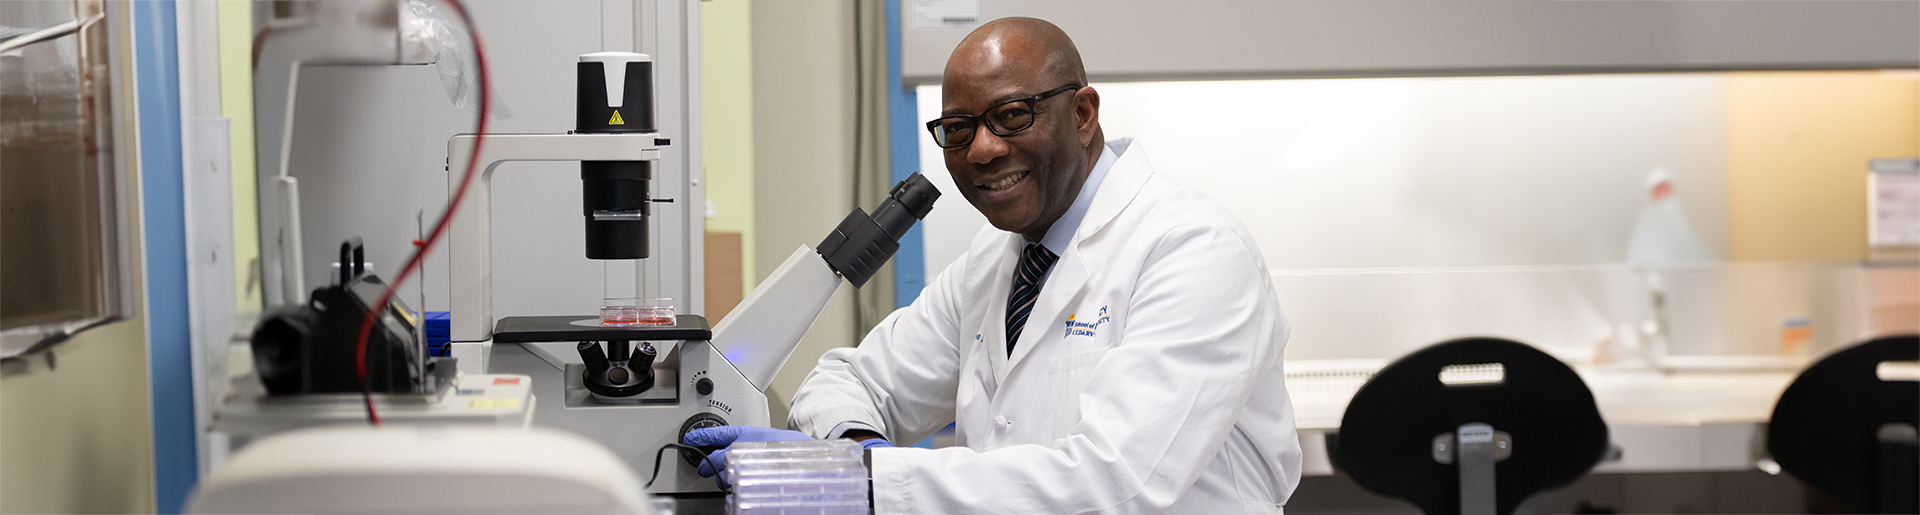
163 212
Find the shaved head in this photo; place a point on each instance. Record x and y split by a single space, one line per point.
1024 71
1027 38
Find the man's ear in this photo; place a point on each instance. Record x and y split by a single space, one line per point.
1086 114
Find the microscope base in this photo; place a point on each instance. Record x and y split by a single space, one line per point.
637 430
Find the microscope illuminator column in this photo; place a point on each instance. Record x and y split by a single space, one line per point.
615 95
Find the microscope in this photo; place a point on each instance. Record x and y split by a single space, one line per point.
636 387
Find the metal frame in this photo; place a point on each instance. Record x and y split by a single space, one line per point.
1474 447
470 234
669 31
333 33
116 236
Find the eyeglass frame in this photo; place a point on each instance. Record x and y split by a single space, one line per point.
979 120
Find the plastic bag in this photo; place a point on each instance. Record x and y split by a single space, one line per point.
430 34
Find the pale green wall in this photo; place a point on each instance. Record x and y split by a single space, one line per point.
236 103
726 89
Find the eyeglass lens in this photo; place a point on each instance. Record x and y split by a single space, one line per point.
1003 120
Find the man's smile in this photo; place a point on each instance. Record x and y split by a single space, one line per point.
1004 182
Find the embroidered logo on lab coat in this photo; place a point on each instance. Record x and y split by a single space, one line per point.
1079 328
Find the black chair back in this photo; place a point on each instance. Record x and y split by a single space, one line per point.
1388 435
1838 428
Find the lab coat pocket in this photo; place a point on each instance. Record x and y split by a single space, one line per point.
1069 375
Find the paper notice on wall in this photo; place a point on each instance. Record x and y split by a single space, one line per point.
934 14
1893 203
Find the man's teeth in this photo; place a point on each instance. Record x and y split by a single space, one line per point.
1005 183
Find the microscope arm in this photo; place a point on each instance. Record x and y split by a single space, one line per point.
760 334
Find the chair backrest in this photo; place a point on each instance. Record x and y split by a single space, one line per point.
1825 429
1388 435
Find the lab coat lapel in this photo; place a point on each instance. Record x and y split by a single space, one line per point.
1124 182
993 327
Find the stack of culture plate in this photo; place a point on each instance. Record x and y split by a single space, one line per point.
813 477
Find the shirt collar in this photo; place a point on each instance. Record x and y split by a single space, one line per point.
1061 233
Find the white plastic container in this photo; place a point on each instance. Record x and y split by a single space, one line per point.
813 477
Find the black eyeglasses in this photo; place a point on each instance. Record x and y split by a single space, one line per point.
1003 119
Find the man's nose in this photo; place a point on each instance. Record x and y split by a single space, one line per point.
986 147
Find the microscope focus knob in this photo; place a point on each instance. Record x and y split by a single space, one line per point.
699 421
704 386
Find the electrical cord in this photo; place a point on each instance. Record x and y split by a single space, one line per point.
724 487
439 227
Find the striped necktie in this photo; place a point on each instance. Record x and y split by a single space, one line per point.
1026 288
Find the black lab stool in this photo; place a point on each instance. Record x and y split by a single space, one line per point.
1846 432
1508 421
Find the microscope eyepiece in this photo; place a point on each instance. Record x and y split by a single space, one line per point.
909 201
916 193
862 243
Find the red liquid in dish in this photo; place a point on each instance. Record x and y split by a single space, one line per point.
618 317
655 320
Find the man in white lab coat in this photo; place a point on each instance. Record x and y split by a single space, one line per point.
1112 344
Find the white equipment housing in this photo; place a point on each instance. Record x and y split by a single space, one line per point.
465 470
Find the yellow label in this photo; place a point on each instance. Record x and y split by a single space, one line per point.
493 404
616 119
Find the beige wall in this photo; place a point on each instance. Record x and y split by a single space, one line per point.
802 152
1797 152
78 438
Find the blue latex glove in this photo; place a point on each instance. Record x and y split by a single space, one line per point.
873 443
725 436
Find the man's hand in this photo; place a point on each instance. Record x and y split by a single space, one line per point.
725 436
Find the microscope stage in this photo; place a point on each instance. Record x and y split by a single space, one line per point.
564 329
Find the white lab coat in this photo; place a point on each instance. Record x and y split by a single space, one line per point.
1148 378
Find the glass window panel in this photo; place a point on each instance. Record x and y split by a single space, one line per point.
59 255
